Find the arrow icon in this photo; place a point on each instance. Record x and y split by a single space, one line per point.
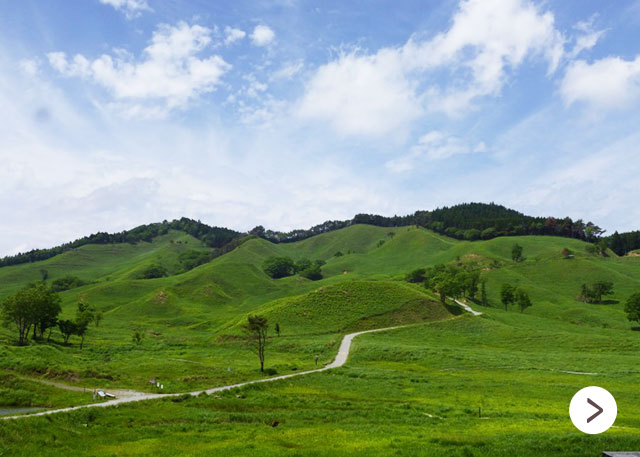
592 403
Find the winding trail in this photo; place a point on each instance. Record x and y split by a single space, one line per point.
133 396
340 359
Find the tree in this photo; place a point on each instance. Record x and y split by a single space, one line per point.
521 298
602 247
602 288
417 276
97 318
302 265
483 293
279 267
632 307
595 292
47 311
66 283
84 316
313 273
470 281
67 328
153 271
507 295
256 329
44 274
277 329
34 305
516 253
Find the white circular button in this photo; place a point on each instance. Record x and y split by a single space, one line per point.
593 410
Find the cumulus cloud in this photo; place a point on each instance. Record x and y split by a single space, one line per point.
609 83
130 8
167 76
434 145
367 95
231 35
375 93
262 35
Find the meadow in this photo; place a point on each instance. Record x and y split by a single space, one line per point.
447 384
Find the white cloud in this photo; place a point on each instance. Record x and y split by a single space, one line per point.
588 39
434 145
168 76
375 94
609 83
231 35
288 71
131 8
362 95
262 35
29 67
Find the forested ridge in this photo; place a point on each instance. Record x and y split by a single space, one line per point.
214 237
470 221
467 221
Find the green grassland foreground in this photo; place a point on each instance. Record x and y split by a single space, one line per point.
498 384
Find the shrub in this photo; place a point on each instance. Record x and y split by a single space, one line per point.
279 267
153 271
66 283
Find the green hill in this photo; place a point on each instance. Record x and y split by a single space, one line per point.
444 364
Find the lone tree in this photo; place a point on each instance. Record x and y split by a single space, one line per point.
277 329
632 307
516 253
256 329
507 295
522 299
595 292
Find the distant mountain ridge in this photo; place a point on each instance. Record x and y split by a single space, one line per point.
466 221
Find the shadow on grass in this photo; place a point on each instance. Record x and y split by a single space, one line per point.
454 309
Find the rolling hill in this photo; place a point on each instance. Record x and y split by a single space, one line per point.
442 367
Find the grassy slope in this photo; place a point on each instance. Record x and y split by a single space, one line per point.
103 262
509 363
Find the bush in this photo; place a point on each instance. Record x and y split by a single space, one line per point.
313 272
417 276
279 267
152 272
192 258
66 283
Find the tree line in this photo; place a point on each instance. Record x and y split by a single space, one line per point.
214 237
34 310
468 221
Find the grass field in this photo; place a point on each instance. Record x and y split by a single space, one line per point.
410 391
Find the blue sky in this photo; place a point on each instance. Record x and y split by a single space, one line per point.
288 113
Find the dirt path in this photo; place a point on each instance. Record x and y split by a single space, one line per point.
129 396
468 308
120 393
